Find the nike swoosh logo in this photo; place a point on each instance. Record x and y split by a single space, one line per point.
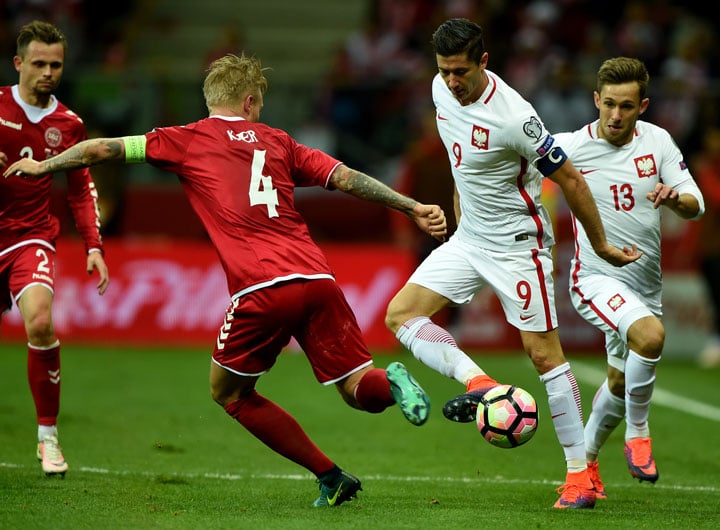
586 171
526 317
332 500
442 118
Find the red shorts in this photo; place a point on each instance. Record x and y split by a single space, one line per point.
260 324
22 267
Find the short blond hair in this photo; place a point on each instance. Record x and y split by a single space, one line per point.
231 78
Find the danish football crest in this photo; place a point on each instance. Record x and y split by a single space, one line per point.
53 136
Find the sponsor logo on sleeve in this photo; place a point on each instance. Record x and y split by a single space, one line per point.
546 146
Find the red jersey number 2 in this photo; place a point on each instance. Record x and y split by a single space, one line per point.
261 190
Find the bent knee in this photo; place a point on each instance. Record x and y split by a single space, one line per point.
655 342
220 398
40 330
224 397
392 321
647 337
397 314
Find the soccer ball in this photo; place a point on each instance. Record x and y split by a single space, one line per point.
507 416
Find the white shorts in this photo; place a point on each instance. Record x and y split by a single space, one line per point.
612 306
522 280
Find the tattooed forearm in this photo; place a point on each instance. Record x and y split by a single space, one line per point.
72 158
87 153
367 188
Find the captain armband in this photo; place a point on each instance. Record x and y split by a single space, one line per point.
134 148
552 161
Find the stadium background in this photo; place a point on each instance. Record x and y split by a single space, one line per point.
352 78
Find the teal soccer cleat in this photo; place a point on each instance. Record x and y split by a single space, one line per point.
408 394
343 489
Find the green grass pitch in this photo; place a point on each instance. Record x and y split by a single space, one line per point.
148 448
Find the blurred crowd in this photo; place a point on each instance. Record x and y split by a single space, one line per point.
94 35
548 50
375 96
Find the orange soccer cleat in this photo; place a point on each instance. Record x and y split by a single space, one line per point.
594 473
577 492
638 452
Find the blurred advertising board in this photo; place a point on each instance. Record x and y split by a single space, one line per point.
173 292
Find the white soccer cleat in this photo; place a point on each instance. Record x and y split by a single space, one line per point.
50 456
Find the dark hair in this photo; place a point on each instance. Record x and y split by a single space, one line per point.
39 31
619 70
458 36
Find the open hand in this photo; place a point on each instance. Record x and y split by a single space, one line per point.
24 166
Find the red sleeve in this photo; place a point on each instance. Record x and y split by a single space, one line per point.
312 167
82 197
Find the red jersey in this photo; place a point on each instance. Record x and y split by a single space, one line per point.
240 179
25 202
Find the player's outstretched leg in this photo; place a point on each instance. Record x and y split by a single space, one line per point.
337 489
463 408
408 394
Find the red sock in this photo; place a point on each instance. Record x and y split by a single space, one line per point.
44 377
373 391
277 429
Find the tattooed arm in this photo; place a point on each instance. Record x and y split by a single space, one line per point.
430 218
83 154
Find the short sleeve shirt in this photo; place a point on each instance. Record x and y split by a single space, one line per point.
240 179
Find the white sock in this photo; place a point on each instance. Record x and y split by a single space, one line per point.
45 431
607 413
639 384
566 412
435 347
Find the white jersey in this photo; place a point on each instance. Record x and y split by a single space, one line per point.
493 145
619 178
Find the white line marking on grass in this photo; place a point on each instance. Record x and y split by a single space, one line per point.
590 374
396 478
